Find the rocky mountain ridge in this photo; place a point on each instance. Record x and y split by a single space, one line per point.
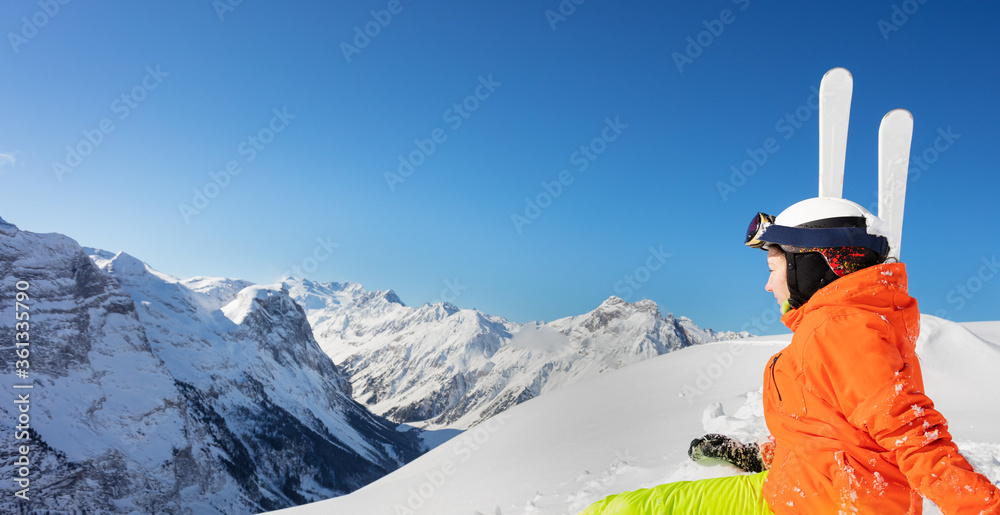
150 394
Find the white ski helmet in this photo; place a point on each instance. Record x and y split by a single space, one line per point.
824 238
813 210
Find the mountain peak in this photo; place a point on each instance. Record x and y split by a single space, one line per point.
615 309
349 286
7 228
100 257
648 306
126 265
617 304
613 301
248 299
101 253
391 296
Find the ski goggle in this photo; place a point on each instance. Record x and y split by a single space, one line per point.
757 226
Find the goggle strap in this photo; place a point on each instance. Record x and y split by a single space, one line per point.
829 237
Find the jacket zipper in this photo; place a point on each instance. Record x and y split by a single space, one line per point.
773 380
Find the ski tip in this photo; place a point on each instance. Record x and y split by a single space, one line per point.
838 71
898 118
898 112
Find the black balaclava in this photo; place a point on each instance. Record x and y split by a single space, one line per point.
807 273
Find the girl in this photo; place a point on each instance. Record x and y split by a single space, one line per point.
854 431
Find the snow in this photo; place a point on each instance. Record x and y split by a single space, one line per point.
539 338
604 420
246 299
150 391
877 226
6 228
215 292
630 428
216 353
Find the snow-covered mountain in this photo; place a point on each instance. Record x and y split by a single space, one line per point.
155 395
441 366
630 429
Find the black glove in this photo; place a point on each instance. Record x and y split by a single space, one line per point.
746 457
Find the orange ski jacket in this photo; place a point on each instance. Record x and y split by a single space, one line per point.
845 402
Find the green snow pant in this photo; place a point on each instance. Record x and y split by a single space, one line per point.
720 496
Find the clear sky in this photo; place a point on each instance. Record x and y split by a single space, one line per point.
242 141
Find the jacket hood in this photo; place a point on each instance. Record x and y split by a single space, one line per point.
880 289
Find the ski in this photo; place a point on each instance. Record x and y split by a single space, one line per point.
835 92
894 136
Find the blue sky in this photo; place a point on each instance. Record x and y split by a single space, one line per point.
490 103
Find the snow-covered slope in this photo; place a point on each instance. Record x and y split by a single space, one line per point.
441 366
152 394
630 429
